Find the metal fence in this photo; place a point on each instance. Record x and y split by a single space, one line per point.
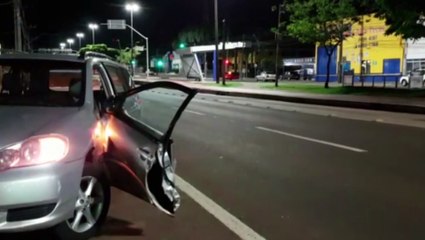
385 81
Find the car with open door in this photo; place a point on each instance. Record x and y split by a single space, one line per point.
73 126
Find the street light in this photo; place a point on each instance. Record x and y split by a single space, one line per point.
93 27
62 45
70 41
216 72
79 35
132 7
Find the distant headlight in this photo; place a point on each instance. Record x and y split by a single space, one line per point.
34 151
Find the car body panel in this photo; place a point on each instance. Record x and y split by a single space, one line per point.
137 152
36 186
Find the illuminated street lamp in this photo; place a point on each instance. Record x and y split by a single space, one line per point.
93 27
70 41
79 35
62 45
132 7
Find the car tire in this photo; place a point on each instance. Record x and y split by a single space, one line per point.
404 83
98 208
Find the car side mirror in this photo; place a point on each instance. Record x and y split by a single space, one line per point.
109 105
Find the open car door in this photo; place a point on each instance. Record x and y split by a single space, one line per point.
138 154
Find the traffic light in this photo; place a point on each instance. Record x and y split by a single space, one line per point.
160 63
227 62
133 62
182 45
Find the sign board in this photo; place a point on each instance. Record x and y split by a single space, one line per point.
116 24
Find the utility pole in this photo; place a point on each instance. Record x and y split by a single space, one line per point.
216 72
361 49
18 25
277 38
224 57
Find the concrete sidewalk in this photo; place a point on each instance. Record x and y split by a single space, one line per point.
252 90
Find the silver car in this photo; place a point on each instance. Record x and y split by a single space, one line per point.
73 126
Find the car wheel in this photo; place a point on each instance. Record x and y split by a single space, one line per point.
404 83
91 208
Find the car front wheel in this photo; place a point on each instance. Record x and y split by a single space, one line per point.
91 208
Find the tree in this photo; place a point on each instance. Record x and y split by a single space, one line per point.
125 55
122 56
404 17
193 36
321 22
101 48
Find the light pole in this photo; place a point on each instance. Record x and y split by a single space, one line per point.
280 10
132 7
79 35
62 45
217 77
70 41
93 27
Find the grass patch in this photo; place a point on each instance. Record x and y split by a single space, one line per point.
319 89
228 84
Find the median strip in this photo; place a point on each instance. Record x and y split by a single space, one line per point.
345 147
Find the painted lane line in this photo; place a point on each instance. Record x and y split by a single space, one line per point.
230 221
197 113
314 140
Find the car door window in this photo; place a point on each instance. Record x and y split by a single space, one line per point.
155 108
118 79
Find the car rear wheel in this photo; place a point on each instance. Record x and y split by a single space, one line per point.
91 208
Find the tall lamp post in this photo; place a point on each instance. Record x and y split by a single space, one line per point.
62 45
70 41
216 74
79 35
132 7
280 10
93 27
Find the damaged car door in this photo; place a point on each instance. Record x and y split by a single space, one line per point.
138 155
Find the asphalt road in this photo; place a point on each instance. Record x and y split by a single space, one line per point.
288 171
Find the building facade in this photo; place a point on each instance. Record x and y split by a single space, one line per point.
367 51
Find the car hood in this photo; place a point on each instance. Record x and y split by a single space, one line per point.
19 123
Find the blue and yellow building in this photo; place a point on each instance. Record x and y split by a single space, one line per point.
367 50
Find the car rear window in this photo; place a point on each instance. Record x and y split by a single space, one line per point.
41 83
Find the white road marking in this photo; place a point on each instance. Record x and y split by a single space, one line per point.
314 140
197 113
230 221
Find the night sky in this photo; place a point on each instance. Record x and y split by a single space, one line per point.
51 22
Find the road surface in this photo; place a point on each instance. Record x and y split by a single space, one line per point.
286 171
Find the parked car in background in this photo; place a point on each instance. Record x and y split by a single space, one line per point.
231 75
73 126
265 76
292 75
405 80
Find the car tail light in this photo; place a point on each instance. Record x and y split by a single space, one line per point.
34 151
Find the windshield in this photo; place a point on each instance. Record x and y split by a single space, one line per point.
41 83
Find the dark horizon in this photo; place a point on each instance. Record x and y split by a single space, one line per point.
160 21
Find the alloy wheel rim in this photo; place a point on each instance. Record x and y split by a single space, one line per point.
88 206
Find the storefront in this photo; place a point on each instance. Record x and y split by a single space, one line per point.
299 68
367 51
415 55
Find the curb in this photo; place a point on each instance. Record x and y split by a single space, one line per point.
400 108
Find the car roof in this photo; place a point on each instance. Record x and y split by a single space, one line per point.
43 56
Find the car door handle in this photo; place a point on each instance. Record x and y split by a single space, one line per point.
145 153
